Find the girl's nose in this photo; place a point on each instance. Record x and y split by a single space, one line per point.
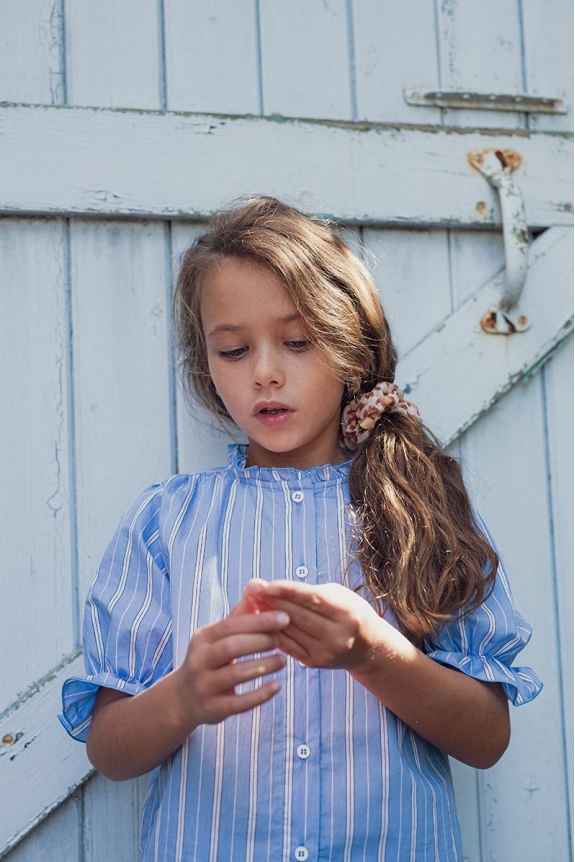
268 370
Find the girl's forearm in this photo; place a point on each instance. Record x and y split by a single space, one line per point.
129 736
462 716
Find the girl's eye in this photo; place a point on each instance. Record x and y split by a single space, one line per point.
233 354
298 345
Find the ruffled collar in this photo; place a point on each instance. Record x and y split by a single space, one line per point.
316 475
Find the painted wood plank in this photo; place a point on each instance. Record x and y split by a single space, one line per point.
305 59
122 376
558 392
212 56
114 53
31 52
34 441
413 281
57 839
468 806
395 48
111 821
202 443
548 31
114 162
475 258
480 50
524 808
459 357
44 765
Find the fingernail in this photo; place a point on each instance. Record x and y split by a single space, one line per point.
282 618
275 685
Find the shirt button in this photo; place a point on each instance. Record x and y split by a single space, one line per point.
297 497
303 752
301 853
302 571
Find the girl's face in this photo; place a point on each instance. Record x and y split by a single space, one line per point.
279 388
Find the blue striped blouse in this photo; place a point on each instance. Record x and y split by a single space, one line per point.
323 770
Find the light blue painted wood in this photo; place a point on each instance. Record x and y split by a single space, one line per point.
114 53
305 59
201 442
523 809
112 819
480 50
557 381
212 56
57 838
121 374
413 280
548 39
37 595
31 52
395 48
475 257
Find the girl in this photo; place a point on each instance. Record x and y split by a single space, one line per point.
294 643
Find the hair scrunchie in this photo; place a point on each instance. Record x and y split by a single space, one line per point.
361 414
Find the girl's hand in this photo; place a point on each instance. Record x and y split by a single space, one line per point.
330 625
209 673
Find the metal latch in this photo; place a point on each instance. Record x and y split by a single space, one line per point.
497 167
517 103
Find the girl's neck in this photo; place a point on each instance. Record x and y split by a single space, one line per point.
298 459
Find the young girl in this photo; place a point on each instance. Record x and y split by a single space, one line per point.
295 642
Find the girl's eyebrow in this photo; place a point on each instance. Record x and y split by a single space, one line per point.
229 327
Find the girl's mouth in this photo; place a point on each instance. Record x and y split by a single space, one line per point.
271 417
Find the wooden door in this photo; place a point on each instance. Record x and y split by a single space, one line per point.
106 176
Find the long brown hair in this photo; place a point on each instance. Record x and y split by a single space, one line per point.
421 551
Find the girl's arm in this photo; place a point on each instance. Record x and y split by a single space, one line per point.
132 735
333 627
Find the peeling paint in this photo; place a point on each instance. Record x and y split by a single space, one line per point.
350 125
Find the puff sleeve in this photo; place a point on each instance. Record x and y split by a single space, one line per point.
485 643
127 617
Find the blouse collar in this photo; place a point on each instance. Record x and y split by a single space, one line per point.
316 475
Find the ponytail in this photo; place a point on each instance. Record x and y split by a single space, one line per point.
422 553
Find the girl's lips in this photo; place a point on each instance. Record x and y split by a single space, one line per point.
271 415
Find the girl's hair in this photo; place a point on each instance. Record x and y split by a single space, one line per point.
422 553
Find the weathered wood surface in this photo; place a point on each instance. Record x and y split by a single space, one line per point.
115 162
522 800
37 509
43 765
458 357
114 53
122 375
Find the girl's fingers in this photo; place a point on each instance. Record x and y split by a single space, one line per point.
237 646
267 621
226 678
234 704
308 620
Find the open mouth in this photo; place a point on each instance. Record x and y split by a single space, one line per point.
273 411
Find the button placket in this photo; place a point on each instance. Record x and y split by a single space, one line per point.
305 752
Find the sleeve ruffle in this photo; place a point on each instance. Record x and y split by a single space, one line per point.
78 696
127 617
485 643
520 684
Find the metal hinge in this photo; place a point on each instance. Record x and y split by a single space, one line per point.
517 103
